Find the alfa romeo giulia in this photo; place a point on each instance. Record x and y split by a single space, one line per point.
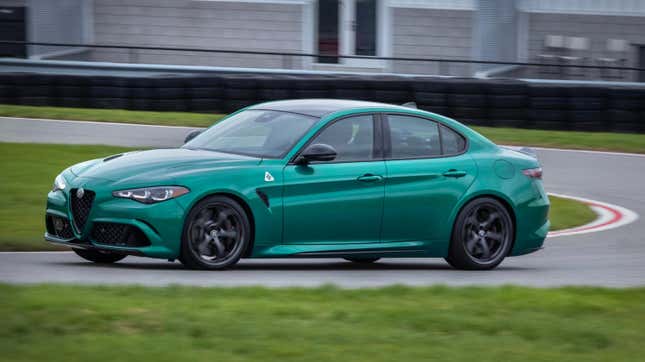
307 178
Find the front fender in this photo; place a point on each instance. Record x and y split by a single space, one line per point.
246 185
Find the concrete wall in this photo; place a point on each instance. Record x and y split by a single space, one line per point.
13 2
432 33
61 21
598 28
495 33
198 24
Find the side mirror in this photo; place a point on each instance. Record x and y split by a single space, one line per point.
316 152
192 135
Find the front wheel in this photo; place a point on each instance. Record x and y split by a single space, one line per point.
99 256
216 234
482 235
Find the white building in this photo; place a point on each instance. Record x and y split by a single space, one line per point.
503 30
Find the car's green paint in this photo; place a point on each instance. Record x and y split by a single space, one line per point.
325 204
320 207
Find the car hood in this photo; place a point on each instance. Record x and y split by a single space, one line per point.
154 166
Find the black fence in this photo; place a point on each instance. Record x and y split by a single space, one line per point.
500 103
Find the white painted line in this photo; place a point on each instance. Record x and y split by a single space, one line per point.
610 216
101 123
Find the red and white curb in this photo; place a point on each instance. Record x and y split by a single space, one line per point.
609 217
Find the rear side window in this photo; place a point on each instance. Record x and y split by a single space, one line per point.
451 141
413 137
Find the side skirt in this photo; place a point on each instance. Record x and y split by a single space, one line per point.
402 249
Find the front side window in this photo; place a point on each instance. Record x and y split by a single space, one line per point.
413 137
352 138
260 133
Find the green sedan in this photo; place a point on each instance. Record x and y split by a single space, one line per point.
307 178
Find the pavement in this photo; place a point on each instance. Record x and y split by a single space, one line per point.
612 258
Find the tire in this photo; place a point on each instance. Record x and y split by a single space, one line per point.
506 88
391 96
466 86
467 100
555 103
100 257
478 250
310 93
431 85
587 103
431 99
216 234
274 94
357 94
506 101
358 259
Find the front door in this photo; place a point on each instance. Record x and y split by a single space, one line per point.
427 174
339 201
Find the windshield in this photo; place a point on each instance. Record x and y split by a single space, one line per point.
261 133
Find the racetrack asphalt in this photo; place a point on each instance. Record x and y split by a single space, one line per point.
611 258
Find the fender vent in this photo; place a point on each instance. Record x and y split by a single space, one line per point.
263 197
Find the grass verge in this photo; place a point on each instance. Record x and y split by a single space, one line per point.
70 323
29 170
599 141
567 213
620 142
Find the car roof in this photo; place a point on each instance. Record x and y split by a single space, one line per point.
321 107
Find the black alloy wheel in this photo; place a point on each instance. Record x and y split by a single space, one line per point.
216 234
482 235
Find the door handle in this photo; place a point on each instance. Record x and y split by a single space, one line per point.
368 177
454 173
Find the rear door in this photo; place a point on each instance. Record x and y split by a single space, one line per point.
339 201
427 173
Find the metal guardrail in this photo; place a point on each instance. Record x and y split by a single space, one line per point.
317 55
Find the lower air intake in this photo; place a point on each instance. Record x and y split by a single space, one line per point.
117 234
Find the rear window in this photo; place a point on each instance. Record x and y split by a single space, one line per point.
451 141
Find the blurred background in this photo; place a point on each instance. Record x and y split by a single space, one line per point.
567 65
566 76
524 38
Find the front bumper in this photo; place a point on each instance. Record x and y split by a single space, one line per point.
157 227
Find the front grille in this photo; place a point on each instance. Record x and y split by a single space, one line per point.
59 227
81 207
118 235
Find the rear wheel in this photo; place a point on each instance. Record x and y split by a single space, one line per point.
99 256
360 260
482 235
216 234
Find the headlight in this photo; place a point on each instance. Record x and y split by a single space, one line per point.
59 183
151 195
